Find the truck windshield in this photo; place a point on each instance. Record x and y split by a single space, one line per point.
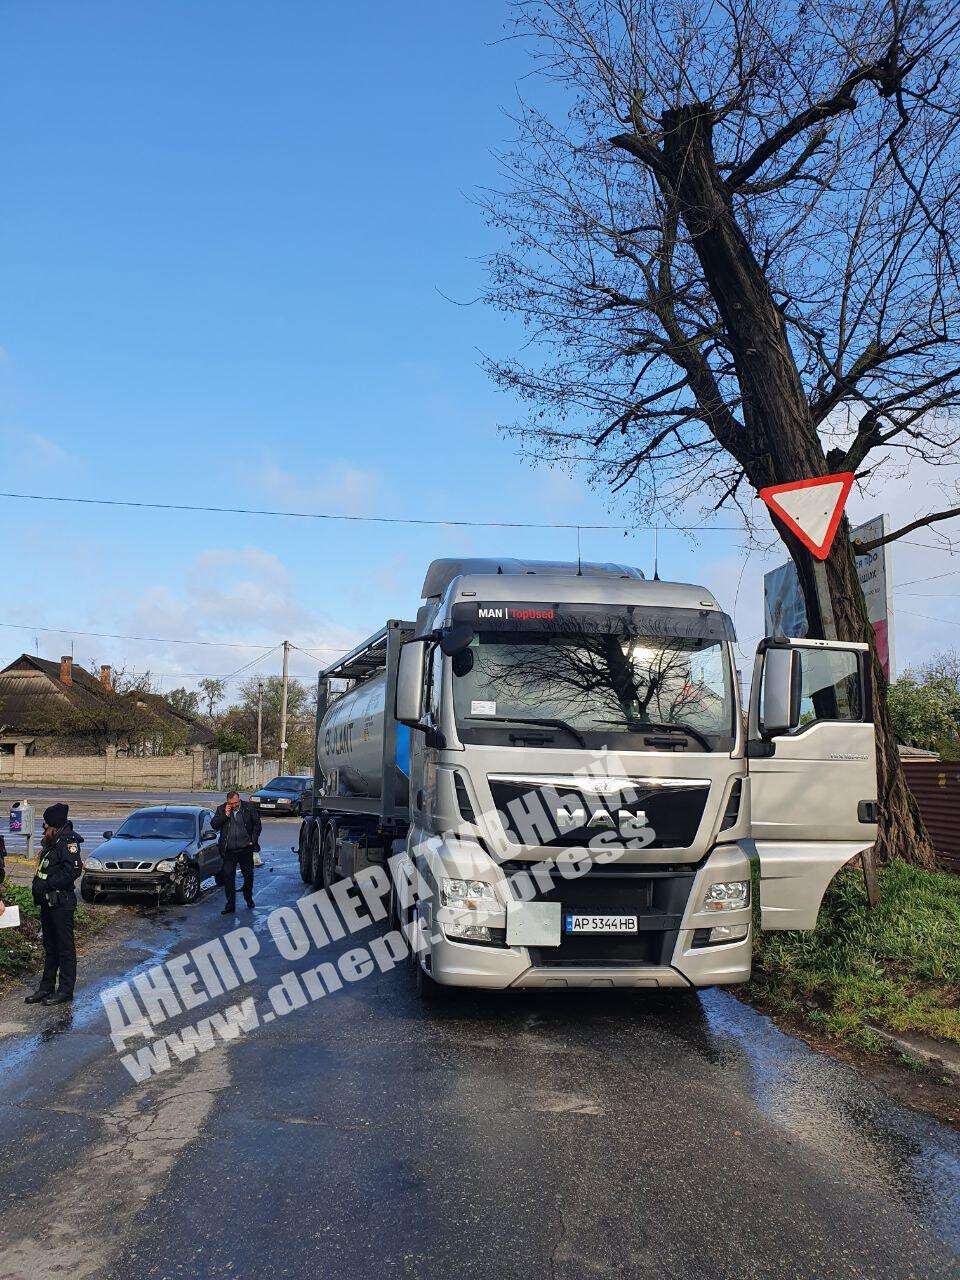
675 692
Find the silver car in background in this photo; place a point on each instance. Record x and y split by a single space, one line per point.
166 851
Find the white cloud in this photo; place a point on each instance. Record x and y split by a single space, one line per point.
338 487
33 451
243 596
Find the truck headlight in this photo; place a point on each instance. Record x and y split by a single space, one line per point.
93 864
166 865
727 895
468 932
468 895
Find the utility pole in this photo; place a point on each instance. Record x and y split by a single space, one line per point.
260 717
283 706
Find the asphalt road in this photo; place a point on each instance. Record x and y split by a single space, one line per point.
367 1135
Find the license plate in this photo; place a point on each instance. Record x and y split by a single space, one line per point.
576 923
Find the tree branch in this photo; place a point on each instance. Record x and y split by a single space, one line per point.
861 548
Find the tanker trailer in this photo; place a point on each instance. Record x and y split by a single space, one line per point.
361 765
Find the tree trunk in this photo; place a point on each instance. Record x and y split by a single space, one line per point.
780 442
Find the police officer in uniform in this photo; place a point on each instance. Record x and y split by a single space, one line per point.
57 871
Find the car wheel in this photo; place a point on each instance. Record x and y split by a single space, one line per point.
328 861
87 892
188 889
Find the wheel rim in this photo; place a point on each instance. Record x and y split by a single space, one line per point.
191 886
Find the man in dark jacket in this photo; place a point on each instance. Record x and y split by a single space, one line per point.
239 826
57 871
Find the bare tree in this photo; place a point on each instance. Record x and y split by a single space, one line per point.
737 255
213 690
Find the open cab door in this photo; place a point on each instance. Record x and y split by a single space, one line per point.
813 771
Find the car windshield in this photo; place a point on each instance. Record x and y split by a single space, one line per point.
286 784
158 826
599 684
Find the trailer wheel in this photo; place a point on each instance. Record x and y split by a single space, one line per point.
303 854
328 859
313 859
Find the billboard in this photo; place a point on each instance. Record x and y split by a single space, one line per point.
781 591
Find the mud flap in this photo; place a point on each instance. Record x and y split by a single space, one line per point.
794 878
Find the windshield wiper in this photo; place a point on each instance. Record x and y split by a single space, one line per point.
533 720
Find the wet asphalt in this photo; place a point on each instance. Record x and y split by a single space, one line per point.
368 1135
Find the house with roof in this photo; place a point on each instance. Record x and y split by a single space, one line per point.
60 708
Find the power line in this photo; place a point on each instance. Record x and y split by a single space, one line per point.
951 622
951 573
328 515
115 635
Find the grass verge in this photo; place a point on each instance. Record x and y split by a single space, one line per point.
897 967
21 951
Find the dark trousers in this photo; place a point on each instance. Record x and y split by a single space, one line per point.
59 949
243 859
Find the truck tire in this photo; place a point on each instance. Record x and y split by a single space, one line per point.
313 859
427 989
304 855
328 856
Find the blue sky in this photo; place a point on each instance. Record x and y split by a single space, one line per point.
229 235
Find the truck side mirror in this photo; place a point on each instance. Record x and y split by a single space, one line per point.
780 705
455 638
410 671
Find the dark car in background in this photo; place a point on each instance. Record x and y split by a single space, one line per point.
166 851
291 793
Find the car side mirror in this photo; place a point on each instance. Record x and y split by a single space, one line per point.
780 704
209 834
410 673
108 835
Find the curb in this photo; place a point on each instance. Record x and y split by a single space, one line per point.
940 1054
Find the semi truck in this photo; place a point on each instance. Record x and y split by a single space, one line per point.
556 754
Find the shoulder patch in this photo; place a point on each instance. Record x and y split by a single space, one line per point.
73 847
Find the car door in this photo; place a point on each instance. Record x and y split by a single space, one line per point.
813 771
208 856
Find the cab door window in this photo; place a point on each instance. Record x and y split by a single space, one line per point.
831 687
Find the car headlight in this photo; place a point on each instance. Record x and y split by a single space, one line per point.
166 865
468 895
93 864
727 895
284 800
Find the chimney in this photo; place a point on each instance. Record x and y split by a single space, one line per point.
106 678
66 669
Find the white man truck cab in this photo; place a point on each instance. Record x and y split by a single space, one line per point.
580 798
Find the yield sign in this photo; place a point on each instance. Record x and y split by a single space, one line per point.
811 508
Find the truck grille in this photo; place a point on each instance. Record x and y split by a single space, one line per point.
557 814
657 897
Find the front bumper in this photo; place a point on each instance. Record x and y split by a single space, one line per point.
667 957
156 883
271 806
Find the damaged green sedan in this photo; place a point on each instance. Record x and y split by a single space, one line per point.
165 851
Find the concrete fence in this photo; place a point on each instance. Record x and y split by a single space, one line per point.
190 771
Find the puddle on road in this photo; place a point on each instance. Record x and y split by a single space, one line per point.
839 1113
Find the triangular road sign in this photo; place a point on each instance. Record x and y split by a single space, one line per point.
811 508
